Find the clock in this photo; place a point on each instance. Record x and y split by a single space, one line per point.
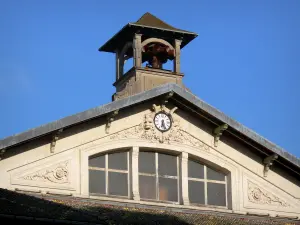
162 121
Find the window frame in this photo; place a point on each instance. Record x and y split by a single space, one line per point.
157 176
133 175
205 180
107 170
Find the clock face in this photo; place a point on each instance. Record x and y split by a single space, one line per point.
162 121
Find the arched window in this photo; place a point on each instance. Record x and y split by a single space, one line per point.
158 176
206 186
142 174
109 174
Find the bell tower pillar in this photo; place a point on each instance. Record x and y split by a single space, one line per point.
150 42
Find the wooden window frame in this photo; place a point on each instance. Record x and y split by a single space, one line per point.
107 170
157 176
205 181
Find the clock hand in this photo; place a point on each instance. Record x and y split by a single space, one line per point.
163 124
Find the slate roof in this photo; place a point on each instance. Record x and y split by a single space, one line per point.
148 25
46 209
181 95
150 20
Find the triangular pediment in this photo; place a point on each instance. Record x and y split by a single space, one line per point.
182 98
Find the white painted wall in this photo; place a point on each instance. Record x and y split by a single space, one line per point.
32 167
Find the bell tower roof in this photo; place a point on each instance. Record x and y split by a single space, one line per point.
151 43
152 21
148 25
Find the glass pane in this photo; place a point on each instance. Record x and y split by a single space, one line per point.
195 170
97 161
168 189
167 165
97 181
147 162
147 187
216 194
196 192
117 184
214 175
117 161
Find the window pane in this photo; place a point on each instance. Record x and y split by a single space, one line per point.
97 161
117 161
195 170
216 194
167 165
168 189
118 184
97 181
147 187
147 162
196 192
214 175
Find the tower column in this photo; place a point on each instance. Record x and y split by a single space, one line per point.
176 61
117 65
137 50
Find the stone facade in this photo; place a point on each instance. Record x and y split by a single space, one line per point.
33 167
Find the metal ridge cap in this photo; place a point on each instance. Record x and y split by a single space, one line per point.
82 116
177 31
236 125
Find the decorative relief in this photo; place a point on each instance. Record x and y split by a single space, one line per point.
260 196
58 174
146 130
177 134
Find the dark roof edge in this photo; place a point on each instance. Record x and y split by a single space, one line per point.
82 116
110 107
101 48
236 125
165 29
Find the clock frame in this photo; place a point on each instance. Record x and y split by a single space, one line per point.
166 114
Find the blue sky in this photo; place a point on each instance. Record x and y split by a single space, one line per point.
245 61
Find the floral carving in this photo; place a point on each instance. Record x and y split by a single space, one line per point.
259 196
146 130
58 174
176 134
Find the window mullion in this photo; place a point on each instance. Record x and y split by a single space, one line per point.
205 184
135 173
226 191
106 174
96 168
178 180
184 178
156 173
148 174
128 176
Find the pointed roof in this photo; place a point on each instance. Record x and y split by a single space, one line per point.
148 25
186 100
150 20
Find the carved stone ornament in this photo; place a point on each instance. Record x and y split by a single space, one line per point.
58 174
260 196
147 131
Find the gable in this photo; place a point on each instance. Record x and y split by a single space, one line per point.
65 170
184 99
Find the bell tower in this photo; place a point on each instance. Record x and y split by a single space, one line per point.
150 41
